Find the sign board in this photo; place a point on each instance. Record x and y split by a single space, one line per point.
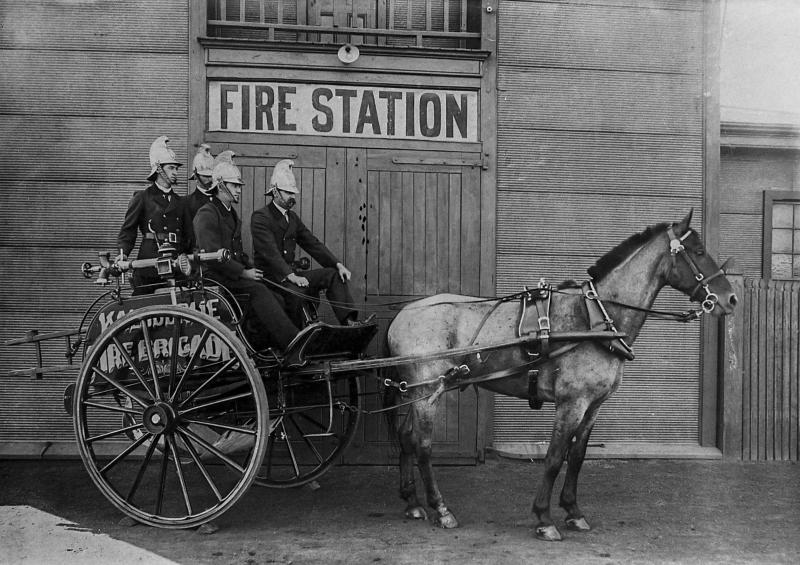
162 332
373 112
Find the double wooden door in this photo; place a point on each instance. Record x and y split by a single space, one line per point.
407 224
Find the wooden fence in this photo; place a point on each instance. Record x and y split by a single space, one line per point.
761 343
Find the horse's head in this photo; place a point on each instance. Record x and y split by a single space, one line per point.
693 272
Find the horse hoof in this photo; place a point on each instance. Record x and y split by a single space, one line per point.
548 533
577 524
446 520
416 513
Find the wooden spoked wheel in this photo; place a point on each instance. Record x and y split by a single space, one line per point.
313 421
171 416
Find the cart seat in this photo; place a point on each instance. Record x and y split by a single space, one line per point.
320 341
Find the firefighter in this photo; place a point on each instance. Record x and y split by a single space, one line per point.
203 165
159 214
277 231
217 226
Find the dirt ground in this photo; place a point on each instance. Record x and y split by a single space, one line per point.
651 511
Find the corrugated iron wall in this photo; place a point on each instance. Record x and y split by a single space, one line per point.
86 88
600 134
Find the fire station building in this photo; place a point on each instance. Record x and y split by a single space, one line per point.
459 146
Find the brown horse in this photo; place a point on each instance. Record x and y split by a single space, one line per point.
577 377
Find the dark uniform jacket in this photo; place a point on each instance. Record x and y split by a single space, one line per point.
197 200
151 210
216 228
275 242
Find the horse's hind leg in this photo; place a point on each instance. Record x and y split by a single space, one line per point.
423 415
577 452
408 488
567 419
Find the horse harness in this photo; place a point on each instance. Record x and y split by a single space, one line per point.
534 318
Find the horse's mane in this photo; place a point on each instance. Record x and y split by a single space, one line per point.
610 260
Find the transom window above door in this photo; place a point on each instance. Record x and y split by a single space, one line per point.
430 24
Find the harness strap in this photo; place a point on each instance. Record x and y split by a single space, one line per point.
537 299
598 316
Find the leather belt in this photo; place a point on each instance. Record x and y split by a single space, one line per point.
168 236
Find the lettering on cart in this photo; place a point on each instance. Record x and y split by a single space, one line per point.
162 341
331 110
213 350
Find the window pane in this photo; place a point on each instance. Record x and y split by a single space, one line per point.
782 241
796 267
797 216
782 215
781 266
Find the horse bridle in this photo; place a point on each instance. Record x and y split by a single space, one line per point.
676 248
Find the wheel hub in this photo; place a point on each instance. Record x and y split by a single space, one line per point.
159 418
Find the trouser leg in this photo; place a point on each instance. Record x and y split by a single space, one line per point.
337 292
269 311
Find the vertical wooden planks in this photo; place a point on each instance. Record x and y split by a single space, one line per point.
442 231
246 203
354 219
383 246
470 232
761 435
418 223
454 246
374 228
770 392
398 235
733 373
335 200
769 438
781 409
315 186
746 306
431 239
794 372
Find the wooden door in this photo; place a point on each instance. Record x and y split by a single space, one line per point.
415 232
407 225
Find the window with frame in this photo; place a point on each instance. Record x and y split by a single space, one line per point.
430 24
781 256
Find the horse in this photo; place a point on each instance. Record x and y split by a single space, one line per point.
577 377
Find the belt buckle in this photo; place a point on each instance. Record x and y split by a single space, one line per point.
172 237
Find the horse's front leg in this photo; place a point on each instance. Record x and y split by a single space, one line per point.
575 457
423 434
567 419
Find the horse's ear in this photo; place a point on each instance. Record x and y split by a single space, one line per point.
683 226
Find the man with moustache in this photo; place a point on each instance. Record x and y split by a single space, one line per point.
159 214
277 230
217 226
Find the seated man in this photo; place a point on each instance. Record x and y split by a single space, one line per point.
277 230
217 226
